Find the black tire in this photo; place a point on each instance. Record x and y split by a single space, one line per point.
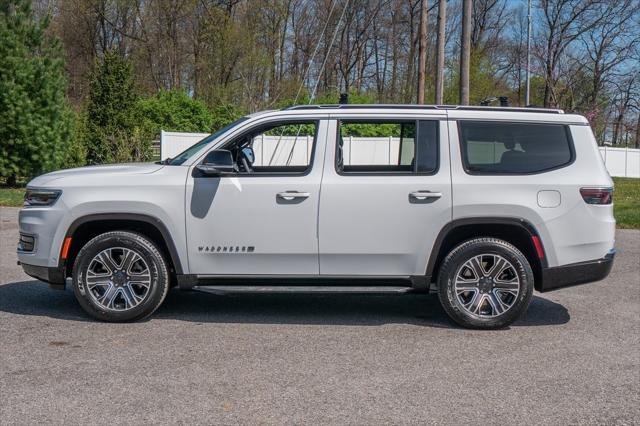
453 264
154 261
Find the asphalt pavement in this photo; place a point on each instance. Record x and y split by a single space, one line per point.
319 359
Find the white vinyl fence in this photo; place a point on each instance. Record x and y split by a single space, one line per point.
292 150
284 149
173 143
619 161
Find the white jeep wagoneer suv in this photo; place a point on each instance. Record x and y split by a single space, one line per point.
481 205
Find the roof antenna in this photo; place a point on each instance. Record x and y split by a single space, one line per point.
344 99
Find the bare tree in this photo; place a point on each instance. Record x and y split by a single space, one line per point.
258 54
607 46
564 22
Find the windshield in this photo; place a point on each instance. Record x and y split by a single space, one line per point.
187 153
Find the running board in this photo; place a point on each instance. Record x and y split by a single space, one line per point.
313 289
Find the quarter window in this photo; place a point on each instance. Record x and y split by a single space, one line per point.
402 147
513 148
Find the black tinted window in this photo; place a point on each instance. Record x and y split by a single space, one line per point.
387 147
513 148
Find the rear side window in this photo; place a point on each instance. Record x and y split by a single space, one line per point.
387 147
514 148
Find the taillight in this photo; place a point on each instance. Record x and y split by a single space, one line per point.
597 195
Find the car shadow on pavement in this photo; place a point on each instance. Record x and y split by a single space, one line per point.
36 299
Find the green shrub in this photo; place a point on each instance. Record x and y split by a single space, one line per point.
174 111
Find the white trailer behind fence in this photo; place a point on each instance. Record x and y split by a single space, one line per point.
290 150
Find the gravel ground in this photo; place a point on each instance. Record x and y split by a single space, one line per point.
333 359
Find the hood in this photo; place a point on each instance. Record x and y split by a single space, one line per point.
91 171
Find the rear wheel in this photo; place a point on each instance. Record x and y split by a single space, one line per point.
120 276
485 283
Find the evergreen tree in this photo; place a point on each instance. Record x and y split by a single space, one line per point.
111 124
35 122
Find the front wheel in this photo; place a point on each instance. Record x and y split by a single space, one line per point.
485 283
120 276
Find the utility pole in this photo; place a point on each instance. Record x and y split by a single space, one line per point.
422 56
465 51
527 96
442 25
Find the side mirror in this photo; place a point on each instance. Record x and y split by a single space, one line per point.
216 163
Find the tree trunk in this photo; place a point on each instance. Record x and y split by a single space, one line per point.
422 60
547 85
410 80
617 127
465 51
442 24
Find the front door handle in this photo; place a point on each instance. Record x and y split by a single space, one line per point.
292 195
425 195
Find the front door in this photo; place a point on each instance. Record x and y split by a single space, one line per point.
386 193
261 219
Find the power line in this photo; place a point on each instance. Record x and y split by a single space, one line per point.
315 86
326 56
315 51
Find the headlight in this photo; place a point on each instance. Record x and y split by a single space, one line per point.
41 197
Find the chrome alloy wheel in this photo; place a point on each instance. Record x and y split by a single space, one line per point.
487 285
118 279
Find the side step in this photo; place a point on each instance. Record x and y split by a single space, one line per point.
313 289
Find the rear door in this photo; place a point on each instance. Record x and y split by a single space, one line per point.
386 194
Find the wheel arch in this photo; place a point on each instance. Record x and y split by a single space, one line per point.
516 231
89 226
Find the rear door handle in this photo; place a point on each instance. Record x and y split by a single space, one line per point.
425 195
292 195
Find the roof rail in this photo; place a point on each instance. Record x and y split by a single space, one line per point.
428 107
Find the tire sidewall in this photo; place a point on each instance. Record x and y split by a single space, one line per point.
464 252
145 249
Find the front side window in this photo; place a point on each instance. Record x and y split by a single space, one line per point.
402 147
513 148
282 147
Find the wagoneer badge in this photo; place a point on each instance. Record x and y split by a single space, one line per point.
226 249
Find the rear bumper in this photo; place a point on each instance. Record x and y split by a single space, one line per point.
576 273
53 276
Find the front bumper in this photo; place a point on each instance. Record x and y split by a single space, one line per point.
47 226
54 276
576 273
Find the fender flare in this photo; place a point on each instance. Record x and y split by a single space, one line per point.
137 217
451 226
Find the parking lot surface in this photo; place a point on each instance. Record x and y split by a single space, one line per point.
331 359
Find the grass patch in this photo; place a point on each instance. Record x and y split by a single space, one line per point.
12 197
626 202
